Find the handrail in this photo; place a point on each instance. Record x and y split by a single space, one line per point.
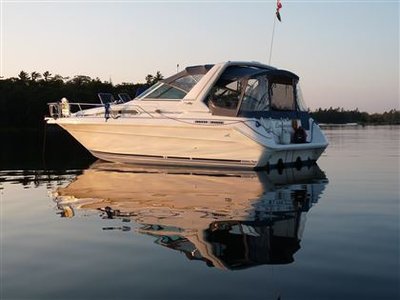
63 109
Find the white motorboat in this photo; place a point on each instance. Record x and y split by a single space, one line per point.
232 114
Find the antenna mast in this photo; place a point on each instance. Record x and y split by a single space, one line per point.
272 42
278 16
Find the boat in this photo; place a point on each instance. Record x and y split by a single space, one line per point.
230 220
231 114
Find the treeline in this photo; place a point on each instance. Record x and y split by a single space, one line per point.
340 116
23 99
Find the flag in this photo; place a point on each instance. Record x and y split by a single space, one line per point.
278 7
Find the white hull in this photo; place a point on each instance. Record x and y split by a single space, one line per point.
185 144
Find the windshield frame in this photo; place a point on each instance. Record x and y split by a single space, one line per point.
178 83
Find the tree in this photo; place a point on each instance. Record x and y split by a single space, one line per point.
80 79
23 76
150 79
57 79
158 77
35 76
47 76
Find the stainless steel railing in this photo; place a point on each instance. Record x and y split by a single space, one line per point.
79 109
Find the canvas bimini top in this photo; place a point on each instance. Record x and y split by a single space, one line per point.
244 90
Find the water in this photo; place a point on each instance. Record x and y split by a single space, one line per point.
79 230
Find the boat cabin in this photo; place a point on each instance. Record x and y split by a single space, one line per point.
238 90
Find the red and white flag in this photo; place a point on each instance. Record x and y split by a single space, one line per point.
278 7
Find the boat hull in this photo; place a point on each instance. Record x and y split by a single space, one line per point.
186 144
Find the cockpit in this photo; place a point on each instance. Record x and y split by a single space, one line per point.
247 91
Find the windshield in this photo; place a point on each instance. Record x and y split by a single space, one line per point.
161 90
178 86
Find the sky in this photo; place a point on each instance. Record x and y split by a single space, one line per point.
345 52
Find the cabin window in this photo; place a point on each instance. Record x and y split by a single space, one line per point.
299 98
224 98
255 97
282 97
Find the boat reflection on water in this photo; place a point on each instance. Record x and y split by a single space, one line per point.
230 220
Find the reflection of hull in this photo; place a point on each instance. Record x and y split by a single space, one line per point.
205 213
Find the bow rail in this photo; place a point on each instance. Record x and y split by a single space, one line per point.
66 109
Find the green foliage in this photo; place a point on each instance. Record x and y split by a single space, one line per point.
150 79
23 76
46 76
340 116
23 101
35 76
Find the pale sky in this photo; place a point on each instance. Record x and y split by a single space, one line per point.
345 52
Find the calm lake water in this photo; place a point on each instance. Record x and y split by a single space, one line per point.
72 228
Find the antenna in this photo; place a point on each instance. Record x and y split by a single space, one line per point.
272 41
278 16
